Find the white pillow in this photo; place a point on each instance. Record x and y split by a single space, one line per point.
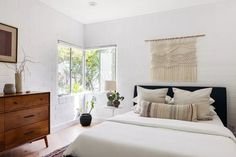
168 99
199 97
212 111
151 95
212 101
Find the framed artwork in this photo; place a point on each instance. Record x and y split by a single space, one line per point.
8 43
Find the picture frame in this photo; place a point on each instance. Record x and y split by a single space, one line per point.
8 43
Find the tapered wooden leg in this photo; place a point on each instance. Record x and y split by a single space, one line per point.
46 141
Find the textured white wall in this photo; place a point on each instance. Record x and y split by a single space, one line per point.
216 52
39 29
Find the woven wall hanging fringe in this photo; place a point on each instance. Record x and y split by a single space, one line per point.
174 60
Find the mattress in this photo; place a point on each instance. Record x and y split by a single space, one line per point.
130 135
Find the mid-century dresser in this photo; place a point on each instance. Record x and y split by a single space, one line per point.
24 118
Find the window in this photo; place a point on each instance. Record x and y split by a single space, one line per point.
70 69
80 70
100 66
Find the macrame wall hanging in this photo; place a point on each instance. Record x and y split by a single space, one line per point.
174 59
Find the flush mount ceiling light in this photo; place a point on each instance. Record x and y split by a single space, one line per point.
92 3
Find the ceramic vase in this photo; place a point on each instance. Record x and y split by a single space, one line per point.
9 89
18 82
85 119
116 103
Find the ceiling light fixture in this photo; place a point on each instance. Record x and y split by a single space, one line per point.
92 3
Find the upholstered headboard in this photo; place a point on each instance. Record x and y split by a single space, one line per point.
218 94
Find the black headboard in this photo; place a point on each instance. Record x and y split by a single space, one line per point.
218 94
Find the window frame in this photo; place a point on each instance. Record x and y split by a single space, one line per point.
115 60
71 46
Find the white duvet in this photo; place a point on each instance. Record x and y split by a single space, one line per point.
130 136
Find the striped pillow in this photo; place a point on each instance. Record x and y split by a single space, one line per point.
165 111
200 97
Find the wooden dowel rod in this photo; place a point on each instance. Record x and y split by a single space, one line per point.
183 37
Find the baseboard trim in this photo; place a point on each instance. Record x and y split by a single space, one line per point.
64 125
71 123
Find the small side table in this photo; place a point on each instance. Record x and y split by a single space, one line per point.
113 109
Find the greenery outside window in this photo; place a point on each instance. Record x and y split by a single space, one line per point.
86 70
100 65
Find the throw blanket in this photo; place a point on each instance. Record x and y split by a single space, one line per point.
151 137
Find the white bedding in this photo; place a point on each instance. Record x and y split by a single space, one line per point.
129 135
215 119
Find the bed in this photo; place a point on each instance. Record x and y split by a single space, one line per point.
130 135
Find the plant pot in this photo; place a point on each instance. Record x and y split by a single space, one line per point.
116 103
85 119
9 89
109 103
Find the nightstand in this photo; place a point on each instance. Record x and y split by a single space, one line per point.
113 109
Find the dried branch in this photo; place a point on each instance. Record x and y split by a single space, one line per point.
21 66
10 67
26 60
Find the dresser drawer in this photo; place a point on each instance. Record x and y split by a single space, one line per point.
25 134
1 105
25 117
1 141
24 102
1 123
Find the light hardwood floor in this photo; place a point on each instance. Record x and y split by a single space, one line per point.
56 140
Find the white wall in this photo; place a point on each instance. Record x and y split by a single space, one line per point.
39 29
216 52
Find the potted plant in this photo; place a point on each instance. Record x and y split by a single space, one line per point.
117 99
85 117
114 98
111 97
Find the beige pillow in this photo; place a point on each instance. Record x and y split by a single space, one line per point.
199 97
151 95
166 111
168 99
212 111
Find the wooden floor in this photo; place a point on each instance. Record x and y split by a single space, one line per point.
56 140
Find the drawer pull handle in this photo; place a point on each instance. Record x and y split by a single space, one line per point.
15 102
29 132
29 116
41 99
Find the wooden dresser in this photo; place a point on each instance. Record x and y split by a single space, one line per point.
24 118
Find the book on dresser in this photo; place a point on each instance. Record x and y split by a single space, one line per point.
24 118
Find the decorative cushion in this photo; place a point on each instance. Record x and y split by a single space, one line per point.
151 95
199 97
168 99
166 111
212 111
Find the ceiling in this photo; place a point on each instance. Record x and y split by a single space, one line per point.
115 9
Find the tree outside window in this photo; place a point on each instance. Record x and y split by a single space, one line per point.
80 70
